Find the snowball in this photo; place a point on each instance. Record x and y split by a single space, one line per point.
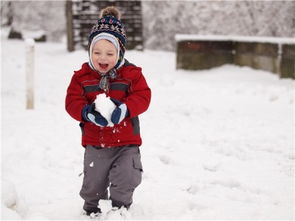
105 107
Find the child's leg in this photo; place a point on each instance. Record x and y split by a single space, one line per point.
125 176
95 182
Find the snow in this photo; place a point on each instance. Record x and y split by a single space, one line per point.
187 37
217 144
30 42
105 106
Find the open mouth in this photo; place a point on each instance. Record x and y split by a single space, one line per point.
103 66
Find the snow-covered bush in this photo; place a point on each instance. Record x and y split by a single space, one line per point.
163 19
43 16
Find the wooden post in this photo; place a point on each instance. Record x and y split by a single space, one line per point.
30 47
70 31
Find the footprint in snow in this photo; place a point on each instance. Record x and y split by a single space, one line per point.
193 189
212 167
165 160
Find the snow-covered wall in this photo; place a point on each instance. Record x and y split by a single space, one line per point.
163 19
271 54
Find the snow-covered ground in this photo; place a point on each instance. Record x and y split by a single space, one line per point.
217 144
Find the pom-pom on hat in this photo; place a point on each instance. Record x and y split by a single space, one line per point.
109 22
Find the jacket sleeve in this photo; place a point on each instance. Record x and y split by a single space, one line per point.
139 97
75 101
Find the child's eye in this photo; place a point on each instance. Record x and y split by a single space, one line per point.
110 54
97 53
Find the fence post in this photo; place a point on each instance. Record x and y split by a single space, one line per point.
30 47
70 31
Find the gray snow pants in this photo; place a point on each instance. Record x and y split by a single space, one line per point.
118 169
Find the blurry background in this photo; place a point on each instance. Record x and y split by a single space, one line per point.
161 20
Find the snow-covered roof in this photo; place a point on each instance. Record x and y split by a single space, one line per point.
187 37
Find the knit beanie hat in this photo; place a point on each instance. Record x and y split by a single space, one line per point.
109 22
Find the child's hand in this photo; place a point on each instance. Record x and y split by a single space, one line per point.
119 113
105 107
89 114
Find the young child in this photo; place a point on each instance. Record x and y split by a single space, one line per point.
112 156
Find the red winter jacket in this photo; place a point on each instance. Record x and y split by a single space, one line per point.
129 87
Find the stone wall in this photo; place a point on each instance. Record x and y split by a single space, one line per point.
287 67
275 55
257 55
209 54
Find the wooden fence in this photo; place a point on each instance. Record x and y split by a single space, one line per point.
276 55
83 14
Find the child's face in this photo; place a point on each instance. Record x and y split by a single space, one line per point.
104 56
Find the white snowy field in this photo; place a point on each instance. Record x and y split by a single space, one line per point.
217 144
